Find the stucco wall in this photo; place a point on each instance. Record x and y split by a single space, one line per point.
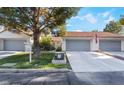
1 44
64 45
94 45
122 45
7 34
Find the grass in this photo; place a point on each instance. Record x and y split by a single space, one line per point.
22 60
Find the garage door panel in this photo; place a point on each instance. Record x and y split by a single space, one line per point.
78 45
14 45
110 45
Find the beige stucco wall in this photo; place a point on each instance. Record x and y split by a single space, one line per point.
1 44
122 45
94 46
64 45
7 35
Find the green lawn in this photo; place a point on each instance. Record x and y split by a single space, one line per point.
22 60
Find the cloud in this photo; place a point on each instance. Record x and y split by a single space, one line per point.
78 17
77 30
110 18
106 14
90 18
68 25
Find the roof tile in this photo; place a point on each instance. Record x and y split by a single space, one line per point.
91 34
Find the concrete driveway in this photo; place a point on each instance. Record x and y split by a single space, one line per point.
4 54
94 62
96 68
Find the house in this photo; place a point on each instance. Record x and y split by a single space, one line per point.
72 41
17 41
92 41
13 41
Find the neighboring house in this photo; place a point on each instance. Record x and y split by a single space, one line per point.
92 41
57 41
13 41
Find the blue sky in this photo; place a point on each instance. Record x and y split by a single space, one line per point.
91 18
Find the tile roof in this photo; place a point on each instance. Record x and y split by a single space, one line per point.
91 34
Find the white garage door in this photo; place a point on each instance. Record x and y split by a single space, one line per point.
14 45
78 45
110 45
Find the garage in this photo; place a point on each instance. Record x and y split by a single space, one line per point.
78 45
14 45
110 45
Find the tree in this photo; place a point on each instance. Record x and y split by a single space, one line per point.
59 31
121 20
35 20
62 30
95 30
113 27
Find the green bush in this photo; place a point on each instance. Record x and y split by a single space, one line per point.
46 43
59 49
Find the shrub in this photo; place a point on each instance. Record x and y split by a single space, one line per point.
45 43
59 49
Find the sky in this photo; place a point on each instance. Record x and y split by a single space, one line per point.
93 18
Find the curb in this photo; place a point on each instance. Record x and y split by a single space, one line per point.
32 70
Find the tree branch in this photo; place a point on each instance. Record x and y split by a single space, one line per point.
25 14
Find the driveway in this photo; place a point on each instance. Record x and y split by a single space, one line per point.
94 62
96 68
4 54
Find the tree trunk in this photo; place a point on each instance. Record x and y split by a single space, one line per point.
36 50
